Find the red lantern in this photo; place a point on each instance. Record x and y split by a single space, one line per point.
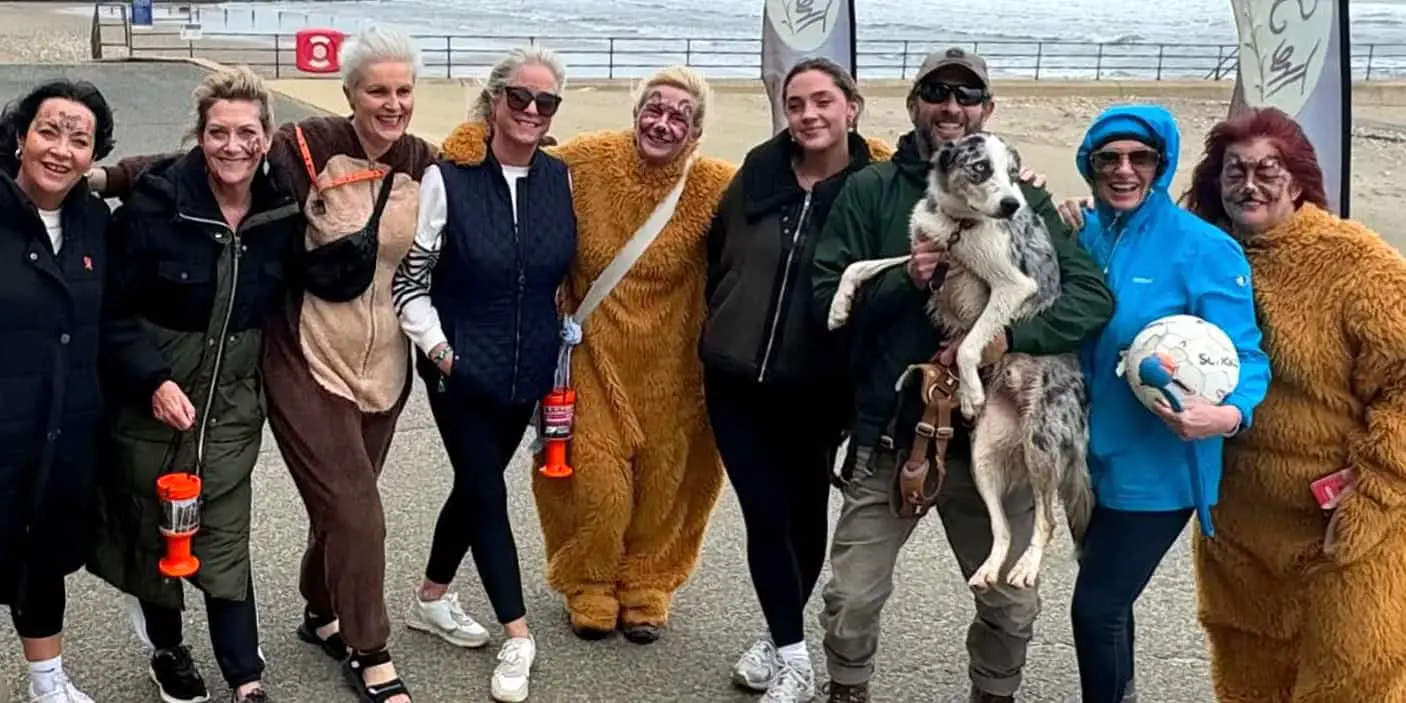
316 50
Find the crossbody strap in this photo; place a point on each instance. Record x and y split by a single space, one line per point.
615 271
364 175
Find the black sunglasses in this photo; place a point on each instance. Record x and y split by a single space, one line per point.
519 98
1108 161
937 93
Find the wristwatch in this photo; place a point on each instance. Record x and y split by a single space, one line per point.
439 356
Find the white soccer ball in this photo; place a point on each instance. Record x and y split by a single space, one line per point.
1198 356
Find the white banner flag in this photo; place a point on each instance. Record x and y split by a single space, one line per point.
1295 55
793 30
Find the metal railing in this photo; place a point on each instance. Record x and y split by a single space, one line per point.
465 56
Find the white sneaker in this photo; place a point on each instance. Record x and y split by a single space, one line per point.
795 684
65 693
758 667
514 666
445 618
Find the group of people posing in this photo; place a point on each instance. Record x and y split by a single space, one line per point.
304 274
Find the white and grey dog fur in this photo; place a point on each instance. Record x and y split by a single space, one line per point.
1031 416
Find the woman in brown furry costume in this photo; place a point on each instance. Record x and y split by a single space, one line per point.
336 367
1300 602
626 530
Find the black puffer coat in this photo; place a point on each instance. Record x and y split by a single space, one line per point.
50 398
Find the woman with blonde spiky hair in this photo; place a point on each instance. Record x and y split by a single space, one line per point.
201 249
625 532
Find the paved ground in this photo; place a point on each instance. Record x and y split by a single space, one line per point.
922 654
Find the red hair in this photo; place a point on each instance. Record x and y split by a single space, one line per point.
1270 123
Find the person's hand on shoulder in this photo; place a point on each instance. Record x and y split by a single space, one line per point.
1072 211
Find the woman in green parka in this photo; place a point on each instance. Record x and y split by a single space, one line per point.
202 250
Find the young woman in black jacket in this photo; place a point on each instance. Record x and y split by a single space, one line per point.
775 383
53 255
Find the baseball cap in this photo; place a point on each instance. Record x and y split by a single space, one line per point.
954 56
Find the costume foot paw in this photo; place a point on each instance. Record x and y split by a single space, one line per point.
642 633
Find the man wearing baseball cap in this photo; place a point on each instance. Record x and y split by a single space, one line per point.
889 329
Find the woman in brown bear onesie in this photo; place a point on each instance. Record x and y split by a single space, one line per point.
626 530
1302 603
337 370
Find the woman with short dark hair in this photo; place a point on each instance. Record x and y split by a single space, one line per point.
53 255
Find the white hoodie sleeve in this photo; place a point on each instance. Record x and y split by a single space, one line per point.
410 287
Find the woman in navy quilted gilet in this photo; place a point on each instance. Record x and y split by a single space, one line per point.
477 295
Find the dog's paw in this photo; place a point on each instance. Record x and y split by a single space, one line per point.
839 310
985 577
1026 571
972 398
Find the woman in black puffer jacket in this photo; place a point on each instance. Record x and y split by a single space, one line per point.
775 383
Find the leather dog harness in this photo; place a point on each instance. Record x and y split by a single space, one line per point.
920 478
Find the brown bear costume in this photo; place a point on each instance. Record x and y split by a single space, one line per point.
625 531
1286 619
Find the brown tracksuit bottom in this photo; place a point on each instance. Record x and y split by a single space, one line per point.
335 453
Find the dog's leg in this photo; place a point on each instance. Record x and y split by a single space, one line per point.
1007 295
1043 470
992 440
855 275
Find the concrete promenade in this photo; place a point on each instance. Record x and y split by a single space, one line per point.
922 655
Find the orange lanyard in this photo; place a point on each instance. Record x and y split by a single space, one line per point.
367 175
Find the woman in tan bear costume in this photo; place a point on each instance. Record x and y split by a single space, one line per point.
1302 603
625 531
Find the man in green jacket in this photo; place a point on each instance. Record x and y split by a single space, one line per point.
888 330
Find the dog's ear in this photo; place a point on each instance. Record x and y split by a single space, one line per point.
1015 160
946 157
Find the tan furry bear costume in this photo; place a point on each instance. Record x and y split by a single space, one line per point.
1287 619
625 531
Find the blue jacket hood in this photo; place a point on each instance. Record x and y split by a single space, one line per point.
1140 122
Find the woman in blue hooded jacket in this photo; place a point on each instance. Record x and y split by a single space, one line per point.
1159 260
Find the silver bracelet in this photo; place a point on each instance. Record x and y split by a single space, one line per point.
446 351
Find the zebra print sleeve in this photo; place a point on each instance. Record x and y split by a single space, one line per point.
410 286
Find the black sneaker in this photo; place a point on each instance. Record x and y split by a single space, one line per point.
175 675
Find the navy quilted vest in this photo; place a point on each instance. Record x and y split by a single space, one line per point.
495 284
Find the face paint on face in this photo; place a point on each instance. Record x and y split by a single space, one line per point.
1257 192
666 124
234 141
56 151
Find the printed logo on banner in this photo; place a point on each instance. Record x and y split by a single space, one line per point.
803 24
1283 49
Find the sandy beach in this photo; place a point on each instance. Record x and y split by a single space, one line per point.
1046 128
1045 119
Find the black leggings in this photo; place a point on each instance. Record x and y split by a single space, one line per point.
234 634
480 440
778 446
37 601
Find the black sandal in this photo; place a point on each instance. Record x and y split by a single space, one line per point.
353 669
333 646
